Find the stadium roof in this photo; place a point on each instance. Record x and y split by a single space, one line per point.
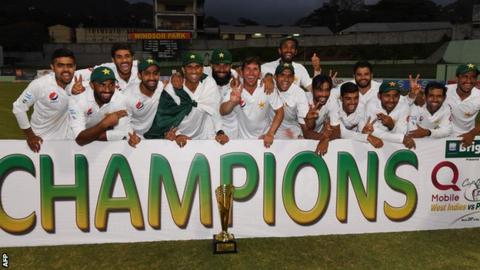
396 27
275 30
463 51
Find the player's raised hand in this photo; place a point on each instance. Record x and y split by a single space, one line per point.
236 94
268 84
368 128
177 80
333 75
415 87
77 87
313 111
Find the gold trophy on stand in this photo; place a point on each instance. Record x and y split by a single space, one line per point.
224 242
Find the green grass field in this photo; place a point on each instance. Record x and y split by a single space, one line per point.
443 249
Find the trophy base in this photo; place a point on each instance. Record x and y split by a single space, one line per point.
221 247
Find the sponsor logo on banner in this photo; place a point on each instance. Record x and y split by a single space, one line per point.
445 178
471 190
455 149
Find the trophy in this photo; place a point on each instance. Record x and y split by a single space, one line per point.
224 242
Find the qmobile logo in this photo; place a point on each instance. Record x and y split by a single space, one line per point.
440 184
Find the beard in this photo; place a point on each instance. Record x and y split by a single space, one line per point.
222 81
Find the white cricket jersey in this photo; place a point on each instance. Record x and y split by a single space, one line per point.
439 124
464 111
204 120
399 115
295 106
323 112
85 113
351 125
253 111
141 108
120 85
49 119
302 78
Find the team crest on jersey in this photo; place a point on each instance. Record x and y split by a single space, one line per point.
89 111
261 104
139 105
53 96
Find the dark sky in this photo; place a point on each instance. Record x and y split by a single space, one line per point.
284 12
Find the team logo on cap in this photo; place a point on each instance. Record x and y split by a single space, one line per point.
89 111
53 96
150 61
392 84
192 56
139 105
221 55
471 66
106 71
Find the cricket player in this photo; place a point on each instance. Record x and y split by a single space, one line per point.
295 103
386 117
433 119
463 99
317 122
143 99
349 116
47 94
198 115
250 105
123 65
223 74
100 113
287 51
